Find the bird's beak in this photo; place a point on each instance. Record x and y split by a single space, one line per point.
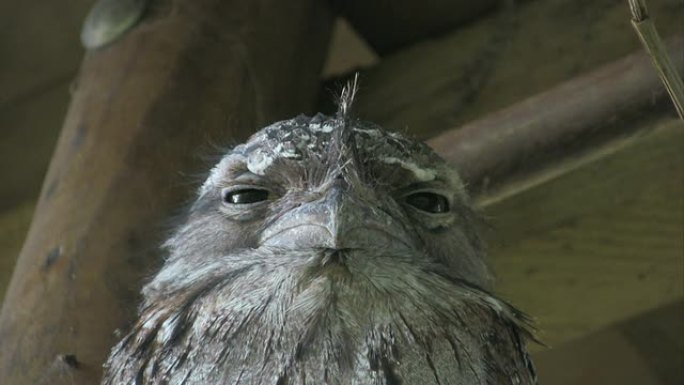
337 221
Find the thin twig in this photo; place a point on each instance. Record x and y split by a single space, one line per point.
645 29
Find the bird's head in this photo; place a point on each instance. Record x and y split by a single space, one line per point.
337 186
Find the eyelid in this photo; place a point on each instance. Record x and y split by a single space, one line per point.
246 178
243 186
446 193
421 187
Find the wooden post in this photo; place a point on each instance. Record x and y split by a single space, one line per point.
191 72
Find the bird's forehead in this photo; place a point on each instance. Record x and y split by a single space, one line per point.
299 139
306 139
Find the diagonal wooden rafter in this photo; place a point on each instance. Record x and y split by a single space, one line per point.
513 137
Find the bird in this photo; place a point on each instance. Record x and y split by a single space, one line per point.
326 250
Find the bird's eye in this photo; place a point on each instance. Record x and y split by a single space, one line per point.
429 202
244 196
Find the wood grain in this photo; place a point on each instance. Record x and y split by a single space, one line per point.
599 242
444 82
531 131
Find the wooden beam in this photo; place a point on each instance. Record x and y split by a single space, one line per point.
191 72
598 241
498 60
647 349
530 130
388 25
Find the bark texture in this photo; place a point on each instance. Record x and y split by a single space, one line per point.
192 72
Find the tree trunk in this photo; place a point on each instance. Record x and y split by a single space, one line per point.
189 73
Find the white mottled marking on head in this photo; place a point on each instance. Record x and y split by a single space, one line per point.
422 174
326 127
261 159
258 161
287 150
369 131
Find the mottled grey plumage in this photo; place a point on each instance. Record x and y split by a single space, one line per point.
354 260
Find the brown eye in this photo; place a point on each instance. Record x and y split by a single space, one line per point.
244 196
429 202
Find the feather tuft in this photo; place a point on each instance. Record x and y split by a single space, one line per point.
347 97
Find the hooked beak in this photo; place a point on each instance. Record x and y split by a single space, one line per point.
338 221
